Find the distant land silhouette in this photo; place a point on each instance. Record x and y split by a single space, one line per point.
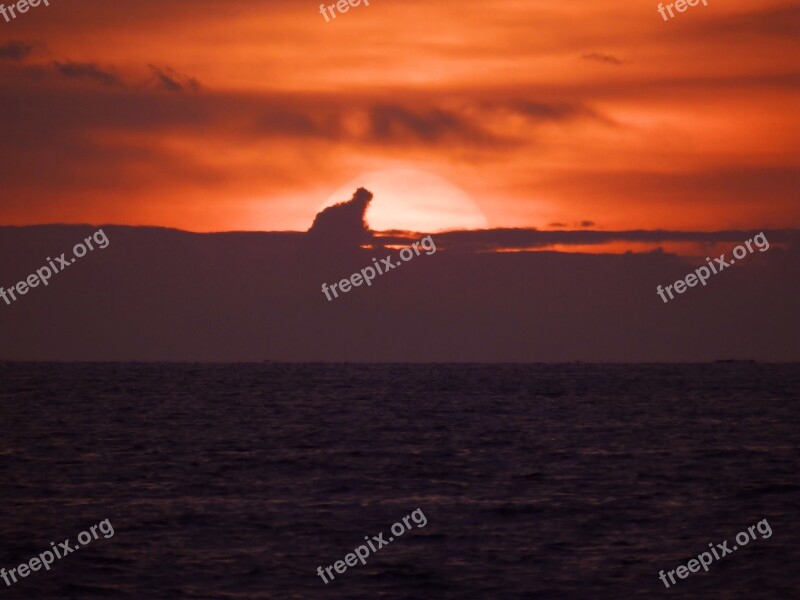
160 294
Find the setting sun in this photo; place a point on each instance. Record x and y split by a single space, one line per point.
413 200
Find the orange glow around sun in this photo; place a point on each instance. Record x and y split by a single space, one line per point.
412 200
181 115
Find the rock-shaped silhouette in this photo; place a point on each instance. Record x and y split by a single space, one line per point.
342 226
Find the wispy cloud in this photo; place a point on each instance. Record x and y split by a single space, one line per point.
169 79
17 50
528 239
609 59
78 70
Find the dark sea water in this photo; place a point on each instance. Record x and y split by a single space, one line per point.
537 481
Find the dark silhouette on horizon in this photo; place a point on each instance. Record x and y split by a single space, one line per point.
163 294
344 218
342 228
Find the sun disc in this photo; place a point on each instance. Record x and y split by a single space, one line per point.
413 200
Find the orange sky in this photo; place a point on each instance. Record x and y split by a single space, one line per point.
248 114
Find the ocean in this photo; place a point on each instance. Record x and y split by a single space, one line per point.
237 481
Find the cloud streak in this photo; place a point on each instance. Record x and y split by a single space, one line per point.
89 71
17 50
603 58
172 81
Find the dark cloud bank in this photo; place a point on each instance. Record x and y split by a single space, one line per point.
160 294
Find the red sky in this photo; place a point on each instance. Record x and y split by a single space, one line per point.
248 114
